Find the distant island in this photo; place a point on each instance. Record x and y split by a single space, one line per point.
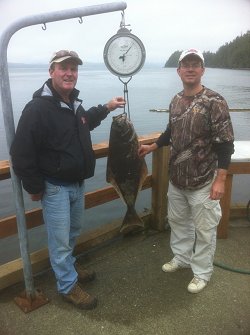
233 55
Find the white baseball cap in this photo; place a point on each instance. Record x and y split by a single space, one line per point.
195 52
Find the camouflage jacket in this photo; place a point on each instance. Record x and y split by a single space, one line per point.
196 124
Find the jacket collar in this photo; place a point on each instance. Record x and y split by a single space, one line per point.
48 90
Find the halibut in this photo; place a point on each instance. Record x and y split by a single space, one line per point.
126 171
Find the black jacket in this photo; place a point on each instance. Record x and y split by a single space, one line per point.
53 140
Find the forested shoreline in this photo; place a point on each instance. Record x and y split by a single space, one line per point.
232 55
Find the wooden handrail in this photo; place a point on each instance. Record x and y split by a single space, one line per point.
100 149
4 170
8 225
158 181
34 217
12 272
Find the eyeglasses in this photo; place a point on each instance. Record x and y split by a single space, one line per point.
190 65
63 53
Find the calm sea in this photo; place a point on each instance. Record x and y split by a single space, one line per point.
152 88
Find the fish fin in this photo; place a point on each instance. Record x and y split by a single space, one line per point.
111 179
116 187
132 223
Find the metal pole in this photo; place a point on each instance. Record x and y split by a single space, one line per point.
8 110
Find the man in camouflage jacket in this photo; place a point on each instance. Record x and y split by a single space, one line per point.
200 136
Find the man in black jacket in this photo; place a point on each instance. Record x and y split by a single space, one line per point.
52 154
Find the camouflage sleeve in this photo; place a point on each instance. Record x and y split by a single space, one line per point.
221 125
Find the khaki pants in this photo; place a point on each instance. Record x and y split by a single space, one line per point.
193 218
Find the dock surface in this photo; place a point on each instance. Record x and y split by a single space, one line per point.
135 297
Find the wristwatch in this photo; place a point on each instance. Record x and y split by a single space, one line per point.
124 54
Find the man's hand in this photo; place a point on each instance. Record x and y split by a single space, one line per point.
146 149
218 186
36 197
117 102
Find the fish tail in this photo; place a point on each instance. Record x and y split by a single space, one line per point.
132 223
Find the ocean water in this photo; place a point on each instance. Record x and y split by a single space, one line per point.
152 88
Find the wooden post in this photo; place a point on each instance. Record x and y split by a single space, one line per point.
159 187
225 207
236 167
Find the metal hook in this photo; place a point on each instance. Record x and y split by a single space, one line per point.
44 26
122 24
80 20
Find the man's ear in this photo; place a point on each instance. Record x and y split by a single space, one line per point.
51 71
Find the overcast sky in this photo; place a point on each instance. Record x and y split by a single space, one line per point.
164 26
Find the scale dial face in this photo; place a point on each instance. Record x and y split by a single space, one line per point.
124 54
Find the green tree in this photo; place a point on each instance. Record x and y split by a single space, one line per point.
173 59
233 55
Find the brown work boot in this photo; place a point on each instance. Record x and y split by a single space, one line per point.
80 298
84 275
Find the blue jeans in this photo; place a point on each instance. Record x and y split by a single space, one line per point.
63 208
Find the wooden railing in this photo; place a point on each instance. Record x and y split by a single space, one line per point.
8 225
11 272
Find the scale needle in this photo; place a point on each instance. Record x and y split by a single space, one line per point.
123 56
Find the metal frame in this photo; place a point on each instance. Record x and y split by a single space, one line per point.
9 119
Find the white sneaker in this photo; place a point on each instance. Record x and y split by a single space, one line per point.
196 285
171 266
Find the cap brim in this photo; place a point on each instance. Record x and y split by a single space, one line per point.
61 59
191 53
